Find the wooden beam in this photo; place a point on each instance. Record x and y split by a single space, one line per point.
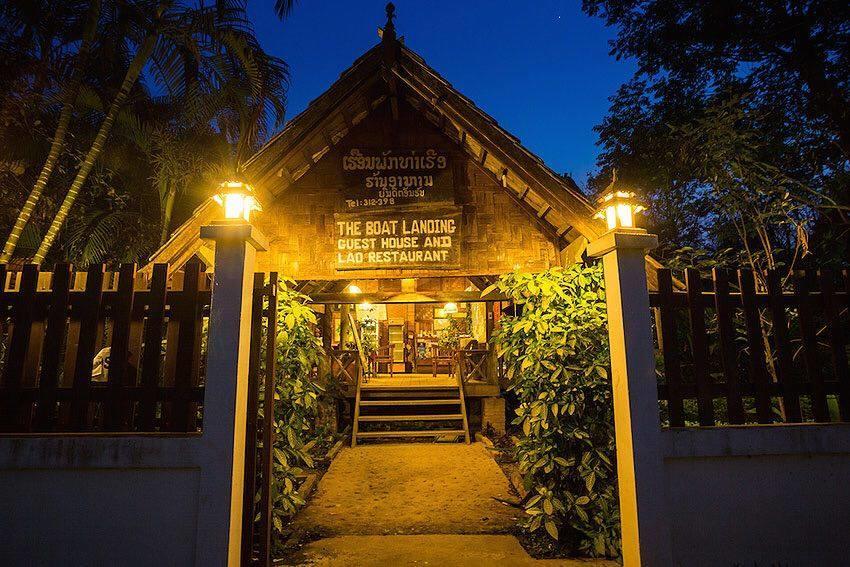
391 297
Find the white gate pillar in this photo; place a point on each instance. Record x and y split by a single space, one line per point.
219 531
640 465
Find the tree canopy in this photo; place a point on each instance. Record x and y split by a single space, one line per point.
736 125
126 113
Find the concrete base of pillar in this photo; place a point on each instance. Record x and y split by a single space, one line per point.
493 414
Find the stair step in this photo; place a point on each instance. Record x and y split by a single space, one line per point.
423 433
431 402
442 417
385 387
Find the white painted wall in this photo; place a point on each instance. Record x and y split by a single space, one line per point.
100 500
759 495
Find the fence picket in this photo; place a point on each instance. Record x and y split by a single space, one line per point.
23 315
251 428
88 313
672 368
803 284
837 346
57 321
152 347
758 368
182 417
117 411
268 433
785 368
726 335
699 337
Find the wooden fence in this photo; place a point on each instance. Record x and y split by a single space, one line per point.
102 351
742 348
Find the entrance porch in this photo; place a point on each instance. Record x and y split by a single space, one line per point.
410 364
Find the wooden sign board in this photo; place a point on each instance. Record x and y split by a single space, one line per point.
388 178
398 239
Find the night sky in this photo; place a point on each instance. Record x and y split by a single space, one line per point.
540 68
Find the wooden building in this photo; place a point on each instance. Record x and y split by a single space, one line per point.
395 182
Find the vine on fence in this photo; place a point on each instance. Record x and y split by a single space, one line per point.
556 354
296 404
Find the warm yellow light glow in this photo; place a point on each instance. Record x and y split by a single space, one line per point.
366 306
237 199
450 307
354 289
618 209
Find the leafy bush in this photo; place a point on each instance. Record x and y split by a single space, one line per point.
449 338
556 356
296 394
369 335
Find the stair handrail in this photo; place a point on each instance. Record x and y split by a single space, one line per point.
462 396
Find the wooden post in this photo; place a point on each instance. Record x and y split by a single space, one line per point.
640 464
344 325
327 404
219 528
492 363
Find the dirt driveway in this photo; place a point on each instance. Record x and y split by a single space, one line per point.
414 488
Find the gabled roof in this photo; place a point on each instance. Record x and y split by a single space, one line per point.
384 74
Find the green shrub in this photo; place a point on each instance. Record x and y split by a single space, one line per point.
296 400
556 355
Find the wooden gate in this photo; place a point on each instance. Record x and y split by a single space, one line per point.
257 523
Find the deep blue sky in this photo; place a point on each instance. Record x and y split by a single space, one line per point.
541 68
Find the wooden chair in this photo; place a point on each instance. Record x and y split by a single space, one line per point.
441 355
384 355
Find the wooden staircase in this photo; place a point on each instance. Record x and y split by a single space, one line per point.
409 411
398 409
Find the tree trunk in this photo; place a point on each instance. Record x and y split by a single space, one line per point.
133 72
58 136
167 213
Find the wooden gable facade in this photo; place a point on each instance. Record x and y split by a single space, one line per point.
507 209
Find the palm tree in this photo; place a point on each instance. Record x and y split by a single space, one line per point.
69 98
190 50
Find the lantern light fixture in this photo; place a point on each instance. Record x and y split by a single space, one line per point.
237 199
354 289
450 308
618 209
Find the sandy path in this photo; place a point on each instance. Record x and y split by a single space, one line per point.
434 550
414 488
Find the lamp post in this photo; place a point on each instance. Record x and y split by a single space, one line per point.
237 199
640 464
226 390
618 209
